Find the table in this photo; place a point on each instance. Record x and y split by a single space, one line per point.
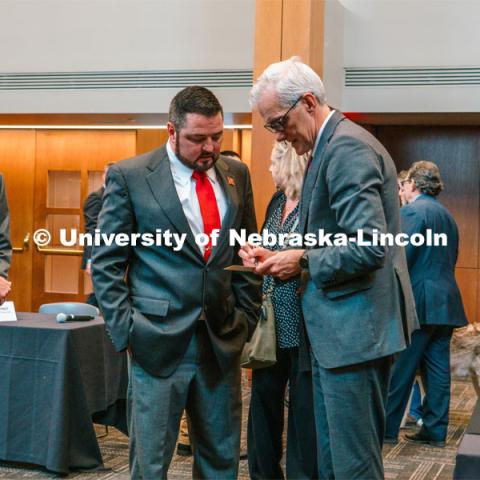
54 379
467 466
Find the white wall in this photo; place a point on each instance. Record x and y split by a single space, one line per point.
121 35
139 35
396 34
411 32
333 52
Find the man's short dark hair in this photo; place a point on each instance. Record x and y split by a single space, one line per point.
231 153
193 100
426 177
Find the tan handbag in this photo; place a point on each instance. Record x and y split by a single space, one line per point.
260 351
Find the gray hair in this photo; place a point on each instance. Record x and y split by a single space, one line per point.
290 167
426 177
290 79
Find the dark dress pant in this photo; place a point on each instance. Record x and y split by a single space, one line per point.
430 352
266 420
213 404
349 407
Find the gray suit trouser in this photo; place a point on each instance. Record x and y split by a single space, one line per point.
349 407
212 401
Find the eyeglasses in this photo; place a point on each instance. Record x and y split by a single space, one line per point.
277 125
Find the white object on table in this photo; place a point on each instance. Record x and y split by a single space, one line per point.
7 312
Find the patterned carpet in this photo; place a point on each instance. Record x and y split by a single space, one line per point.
403 461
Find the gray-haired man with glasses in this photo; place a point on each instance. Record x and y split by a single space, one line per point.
357 302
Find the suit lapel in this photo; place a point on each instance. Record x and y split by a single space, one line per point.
312 171
161 184
227 183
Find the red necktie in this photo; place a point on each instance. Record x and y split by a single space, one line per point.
208 207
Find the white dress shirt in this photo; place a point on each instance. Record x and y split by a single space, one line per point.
322 128
185 186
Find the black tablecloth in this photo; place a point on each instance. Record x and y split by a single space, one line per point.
54 378
467 466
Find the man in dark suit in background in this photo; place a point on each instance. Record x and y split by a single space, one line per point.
357 302
5 246
183 317
91 211
439 307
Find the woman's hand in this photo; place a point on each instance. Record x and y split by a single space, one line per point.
252 256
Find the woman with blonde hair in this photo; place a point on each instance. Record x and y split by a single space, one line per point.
401 179
269 385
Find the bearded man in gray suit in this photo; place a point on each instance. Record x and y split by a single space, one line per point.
5 246
357 301
183 318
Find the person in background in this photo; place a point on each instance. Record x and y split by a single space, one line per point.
269 385
5 245
231 154
414 417
439 307
401 178
91 211
352 295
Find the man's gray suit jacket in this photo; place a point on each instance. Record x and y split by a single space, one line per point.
358 303
153 297
5 246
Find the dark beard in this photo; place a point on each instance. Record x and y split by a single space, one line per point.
194 165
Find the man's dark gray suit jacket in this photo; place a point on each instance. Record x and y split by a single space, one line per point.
5 246
153 297
432 268
358 303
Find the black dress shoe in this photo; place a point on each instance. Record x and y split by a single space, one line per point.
421 437
390 440
184 450
411 422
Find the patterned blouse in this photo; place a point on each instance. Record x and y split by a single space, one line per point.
285 299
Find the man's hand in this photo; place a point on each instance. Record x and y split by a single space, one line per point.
251 256
88 267
283 264
5 287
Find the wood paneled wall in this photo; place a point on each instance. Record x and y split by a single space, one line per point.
279 37
456 151
17 164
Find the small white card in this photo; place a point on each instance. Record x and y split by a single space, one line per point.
7 312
